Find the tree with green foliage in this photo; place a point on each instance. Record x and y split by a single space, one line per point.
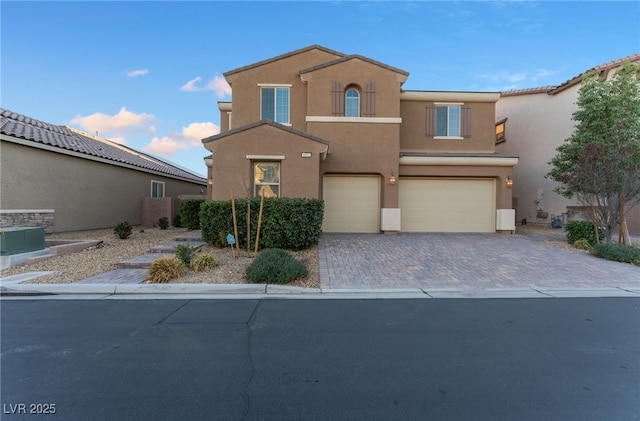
600 163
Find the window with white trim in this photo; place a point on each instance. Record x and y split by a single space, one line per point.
266 179
448 120
451 121
274 103
352 103
157 188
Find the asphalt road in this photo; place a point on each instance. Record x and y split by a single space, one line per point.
275 359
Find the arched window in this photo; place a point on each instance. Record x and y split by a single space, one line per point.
352 103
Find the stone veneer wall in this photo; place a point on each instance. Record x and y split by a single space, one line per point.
28 218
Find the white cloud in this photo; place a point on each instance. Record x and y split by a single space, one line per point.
191 85
218 85
135 73
116 126
190 137
124 119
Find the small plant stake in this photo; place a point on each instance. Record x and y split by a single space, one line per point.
259 223
235 222
231 241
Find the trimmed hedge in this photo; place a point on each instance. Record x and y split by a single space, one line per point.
190 213
618 253
577 230
292 224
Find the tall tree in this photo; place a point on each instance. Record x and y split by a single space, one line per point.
600 163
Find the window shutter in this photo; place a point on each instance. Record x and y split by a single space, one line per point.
465 122
369 97
337 99
430 122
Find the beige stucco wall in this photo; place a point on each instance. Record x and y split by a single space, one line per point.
536 125
413 129
232 171
366 146
246 92
362 148
354 73
85 194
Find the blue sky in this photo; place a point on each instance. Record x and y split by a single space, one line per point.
149 74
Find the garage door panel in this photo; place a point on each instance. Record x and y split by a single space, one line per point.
352 204
447 205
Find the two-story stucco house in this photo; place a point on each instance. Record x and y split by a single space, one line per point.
532 124
318 123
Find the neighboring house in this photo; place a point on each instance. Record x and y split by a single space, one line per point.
66 180
317 123
532 123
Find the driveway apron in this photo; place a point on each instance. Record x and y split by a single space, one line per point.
462 261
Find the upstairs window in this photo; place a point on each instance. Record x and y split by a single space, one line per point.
275 104
500 128
352 103
266 179
448 121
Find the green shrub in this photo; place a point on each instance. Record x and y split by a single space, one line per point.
176 221
185 254
165 269
618 252
275 266
582 244
577 230
190 213
203 262
123 230
163 223
293 224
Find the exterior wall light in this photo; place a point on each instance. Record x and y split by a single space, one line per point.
392 179
509 181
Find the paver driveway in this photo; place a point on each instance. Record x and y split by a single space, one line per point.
462 261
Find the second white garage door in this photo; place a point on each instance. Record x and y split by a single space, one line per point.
351 204
447 205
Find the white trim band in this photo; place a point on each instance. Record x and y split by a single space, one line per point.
474 161
266 157
331 119
275 85
449 96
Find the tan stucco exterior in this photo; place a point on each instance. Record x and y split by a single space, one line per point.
390 125
83 193
538 120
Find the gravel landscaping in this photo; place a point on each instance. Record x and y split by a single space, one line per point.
105 257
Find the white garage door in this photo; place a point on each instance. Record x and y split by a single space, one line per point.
351 204
447 205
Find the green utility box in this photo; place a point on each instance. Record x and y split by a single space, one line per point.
16 240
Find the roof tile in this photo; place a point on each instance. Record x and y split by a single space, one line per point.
67 138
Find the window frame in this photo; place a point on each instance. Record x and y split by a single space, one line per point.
158 183
448 107
501 136
347 108
257 184
275 88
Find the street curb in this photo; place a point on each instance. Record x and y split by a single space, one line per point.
13 287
